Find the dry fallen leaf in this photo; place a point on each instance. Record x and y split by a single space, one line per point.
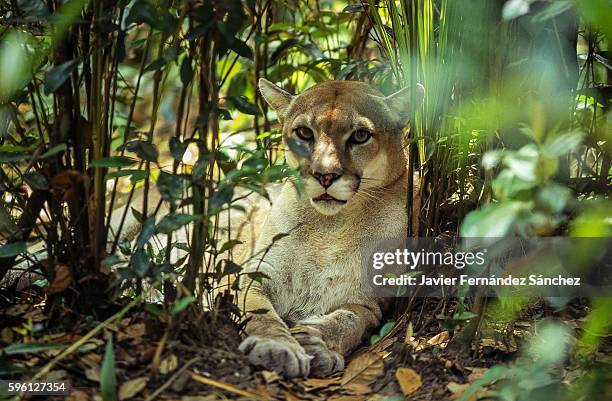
132 387
288 396
357 388
347 398
134 332
61 279
438 339
93 374
476 374
77 395
315 383
457 389
409 332
364 369
270 376
408 379
7 335
168 364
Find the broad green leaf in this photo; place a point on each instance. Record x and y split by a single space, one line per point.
244 106
174 221
493 220
140 263
229 245
222 195
523 162
108 377
146 232
515 8
58 75
156 65
186 71
465 315
113 161
177 148
170 186
553 197
507 184
231 268
181 305
241 48
136 175
353 8
10 157
14 249
144 149
562 144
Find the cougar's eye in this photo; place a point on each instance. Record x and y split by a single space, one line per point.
360 136
304 133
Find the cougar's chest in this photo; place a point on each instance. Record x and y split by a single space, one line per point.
321 278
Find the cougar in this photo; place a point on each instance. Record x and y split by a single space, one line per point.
310 303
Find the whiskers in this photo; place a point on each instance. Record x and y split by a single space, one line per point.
372 194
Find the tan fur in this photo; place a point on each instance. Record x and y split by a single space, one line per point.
318 303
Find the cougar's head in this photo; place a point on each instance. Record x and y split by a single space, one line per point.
346 136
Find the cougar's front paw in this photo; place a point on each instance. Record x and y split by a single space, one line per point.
283 357
324 361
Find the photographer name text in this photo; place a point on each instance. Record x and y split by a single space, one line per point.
464 279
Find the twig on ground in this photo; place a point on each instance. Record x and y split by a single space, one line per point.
227 387
172 378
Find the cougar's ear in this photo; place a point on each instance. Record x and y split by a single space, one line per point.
276 97
400 102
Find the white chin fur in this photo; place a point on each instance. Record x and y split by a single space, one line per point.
327 208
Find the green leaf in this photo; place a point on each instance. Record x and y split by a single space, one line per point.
155 65
58 75
181 305
177 148
553 197
36 181
229 245
465 315
282 49
29 348
493 220
515 8
231 268
144 149
146 232
112 260
10 157
114 161
174 221
108 377
135 175
222 195
353 8
507 184
523 162
562 144
140 263
14 249
186 71
241 48
54 150
170 187
244 106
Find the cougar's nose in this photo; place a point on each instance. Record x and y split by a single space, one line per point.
326 179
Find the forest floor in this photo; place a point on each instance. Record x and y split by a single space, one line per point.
193 356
